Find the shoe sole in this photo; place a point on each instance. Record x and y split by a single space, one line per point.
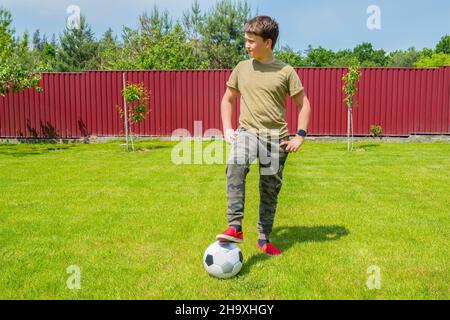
224 237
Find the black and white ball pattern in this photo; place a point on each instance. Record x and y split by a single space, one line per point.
223 259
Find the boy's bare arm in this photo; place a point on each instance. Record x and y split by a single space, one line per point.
302 102
228 102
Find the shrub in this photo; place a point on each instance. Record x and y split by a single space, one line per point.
376 131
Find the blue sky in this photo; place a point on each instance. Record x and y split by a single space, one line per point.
331 24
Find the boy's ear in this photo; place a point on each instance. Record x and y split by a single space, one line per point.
269 43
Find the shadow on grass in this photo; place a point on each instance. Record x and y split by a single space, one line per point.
366 145
144 148
360 147
153 147
29 150
286 237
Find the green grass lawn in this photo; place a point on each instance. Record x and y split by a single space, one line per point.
137 224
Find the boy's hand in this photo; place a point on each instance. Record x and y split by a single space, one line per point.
293 145
230 135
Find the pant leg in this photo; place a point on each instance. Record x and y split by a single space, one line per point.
243 154
270 182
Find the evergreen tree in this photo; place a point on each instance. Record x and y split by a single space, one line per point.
222 34
193 23
54 42
109 50
155 25
38 43
78 49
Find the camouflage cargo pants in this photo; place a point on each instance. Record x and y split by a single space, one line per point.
247 147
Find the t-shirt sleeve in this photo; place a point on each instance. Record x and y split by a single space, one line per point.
295 86
233 80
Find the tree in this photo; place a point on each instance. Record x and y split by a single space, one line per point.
136 107
156 44
78 50
38 43
163 45
222 34
436 60
405 59
443 45
54 42
287 55
170 52
109 50
43 53
192 23
426 52
368 57
363 51
23 57
47 59
350 89
319 57
17 69
344 58
155 25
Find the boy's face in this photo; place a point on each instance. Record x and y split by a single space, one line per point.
256 46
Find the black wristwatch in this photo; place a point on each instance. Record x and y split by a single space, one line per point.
302 133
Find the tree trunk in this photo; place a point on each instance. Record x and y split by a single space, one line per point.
125 110
349 128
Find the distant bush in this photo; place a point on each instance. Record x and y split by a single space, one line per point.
376 131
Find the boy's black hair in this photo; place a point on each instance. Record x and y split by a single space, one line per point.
263 26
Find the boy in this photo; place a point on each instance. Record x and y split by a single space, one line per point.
263 83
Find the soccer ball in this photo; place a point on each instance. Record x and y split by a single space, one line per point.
223 259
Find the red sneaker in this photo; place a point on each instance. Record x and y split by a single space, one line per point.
270 249
231 235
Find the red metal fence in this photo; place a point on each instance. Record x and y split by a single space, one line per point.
402 100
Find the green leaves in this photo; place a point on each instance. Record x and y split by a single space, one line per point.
289 56
17 67
443 45
138 103
376 131
436 60
137 100
319 57
351 79
405 59
369 57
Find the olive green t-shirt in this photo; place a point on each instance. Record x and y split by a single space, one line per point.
263 89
